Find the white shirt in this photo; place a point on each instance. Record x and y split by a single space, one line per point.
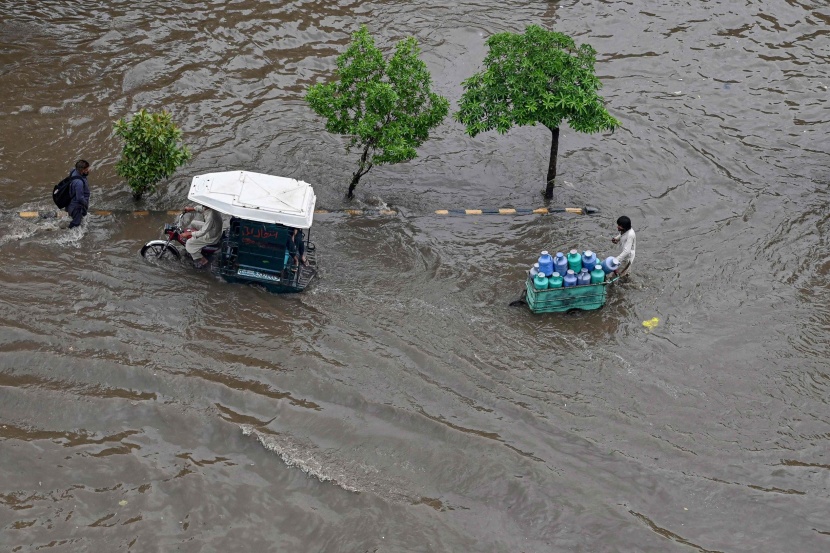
211 230
629 244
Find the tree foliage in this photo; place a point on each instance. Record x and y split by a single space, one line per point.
387 109
539 76
152 150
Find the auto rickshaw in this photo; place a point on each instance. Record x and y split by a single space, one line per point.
263 210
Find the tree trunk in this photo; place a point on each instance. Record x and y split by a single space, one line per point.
362 169
355 177
554 152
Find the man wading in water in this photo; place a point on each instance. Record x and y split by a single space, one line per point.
79 192
629 243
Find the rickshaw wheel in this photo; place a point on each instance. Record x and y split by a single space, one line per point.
153 252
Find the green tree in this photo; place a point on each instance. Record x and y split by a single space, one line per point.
385 108
541 77
152 150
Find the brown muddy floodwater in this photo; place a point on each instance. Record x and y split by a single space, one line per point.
400 404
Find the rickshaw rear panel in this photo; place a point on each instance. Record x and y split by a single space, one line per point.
256 252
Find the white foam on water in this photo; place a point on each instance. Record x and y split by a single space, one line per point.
326 466
298 455
15 234
44 230
70 236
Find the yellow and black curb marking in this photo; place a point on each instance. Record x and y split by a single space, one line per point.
519 211
101 212
358 211
497 211
105 213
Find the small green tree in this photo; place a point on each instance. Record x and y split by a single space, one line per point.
386 109
541 77
152 150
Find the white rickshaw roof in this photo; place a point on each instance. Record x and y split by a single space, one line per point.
256 197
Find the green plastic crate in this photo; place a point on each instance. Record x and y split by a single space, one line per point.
559 300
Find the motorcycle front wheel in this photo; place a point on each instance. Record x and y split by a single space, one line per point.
159 250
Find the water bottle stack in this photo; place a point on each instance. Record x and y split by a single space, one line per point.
573 269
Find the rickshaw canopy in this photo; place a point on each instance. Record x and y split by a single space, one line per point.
256 197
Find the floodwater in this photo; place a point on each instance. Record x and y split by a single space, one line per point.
400 404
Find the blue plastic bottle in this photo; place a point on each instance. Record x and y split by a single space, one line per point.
583 278
610 264
560 263
534 270
589 259
570 279
545 263
555 280
540 281
597 275
574 261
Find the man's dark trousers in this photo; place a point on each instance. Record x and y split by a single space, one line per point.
77 212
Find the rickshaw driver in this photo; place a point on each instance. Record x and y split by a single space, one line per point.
208 232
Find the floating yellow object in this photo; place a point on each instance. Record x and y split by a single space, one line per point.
651 323
122 502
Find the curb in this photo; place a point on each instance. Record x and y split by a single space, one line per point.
495 211
519 211
108 213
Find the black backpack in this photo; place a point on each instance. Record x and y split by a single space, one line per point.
62 193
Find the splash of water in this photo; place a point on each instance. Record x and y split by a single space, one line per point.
326 466
296 454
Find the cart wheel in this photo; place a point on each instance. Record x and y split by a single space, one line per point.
521 301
